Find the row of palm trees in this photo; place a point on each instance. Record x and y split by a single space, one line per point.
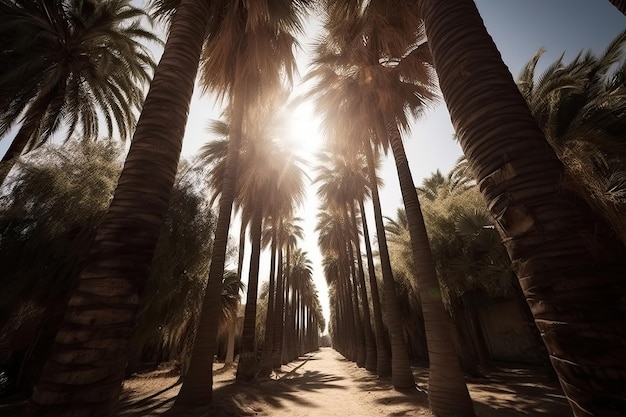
558 245
231 30
371 77
339 66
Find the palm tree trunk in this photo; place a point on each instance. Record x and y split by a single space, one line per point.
265 368
232 328
401 374
288 334
279 314
358 322
383 362
298 319
569 264
248 366
292 350
242 247
447 392
370 344
230 347
287 328
197 388
84 372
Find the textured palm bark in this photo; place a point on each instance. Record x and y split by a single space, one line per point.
83 374
279 314
361 353
265 367
346 320
248 365
242 248
292 348
286 331
383 357
370 343
570 265
447 392
230 347
289 330
401 374
197 388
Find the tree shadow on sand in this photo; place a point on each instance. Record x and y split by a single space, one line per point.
285 389
411 399
258 397
511 392
130 405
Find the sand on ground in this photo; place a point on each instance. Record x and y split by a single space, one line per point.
325 384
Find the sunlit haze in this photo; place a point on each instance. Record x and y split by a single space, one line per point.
519 29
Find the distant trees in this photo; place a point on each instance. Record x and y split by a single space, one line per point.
69 66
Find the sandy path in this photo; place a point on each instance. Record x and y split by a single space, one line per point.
326 384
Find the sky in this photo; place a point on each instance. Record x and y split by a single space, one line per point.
518 27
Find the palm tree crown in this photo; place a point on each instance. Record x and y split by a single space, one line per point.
72 63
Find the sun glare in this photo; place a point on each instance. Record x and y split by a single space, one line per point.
304 129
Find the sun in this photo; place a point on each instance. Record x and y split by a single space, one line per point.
303 129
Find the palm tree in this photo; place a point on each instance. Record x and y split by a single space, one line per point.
268 173
457 180
334 239
71 64
309 312
579 106
569 264
282 194
249 59
298 266
395 80
288 235
334 91
342 181
102 308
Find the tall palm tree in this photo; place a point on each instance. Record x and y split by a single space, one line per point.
284 194
333 92
568 262
86 366
249 201
343 182
248 61
268 176
70 64
310 318
298 266
288 235
396 82
334 237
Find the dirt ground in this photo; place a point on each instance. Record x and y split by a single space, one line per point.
324 384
